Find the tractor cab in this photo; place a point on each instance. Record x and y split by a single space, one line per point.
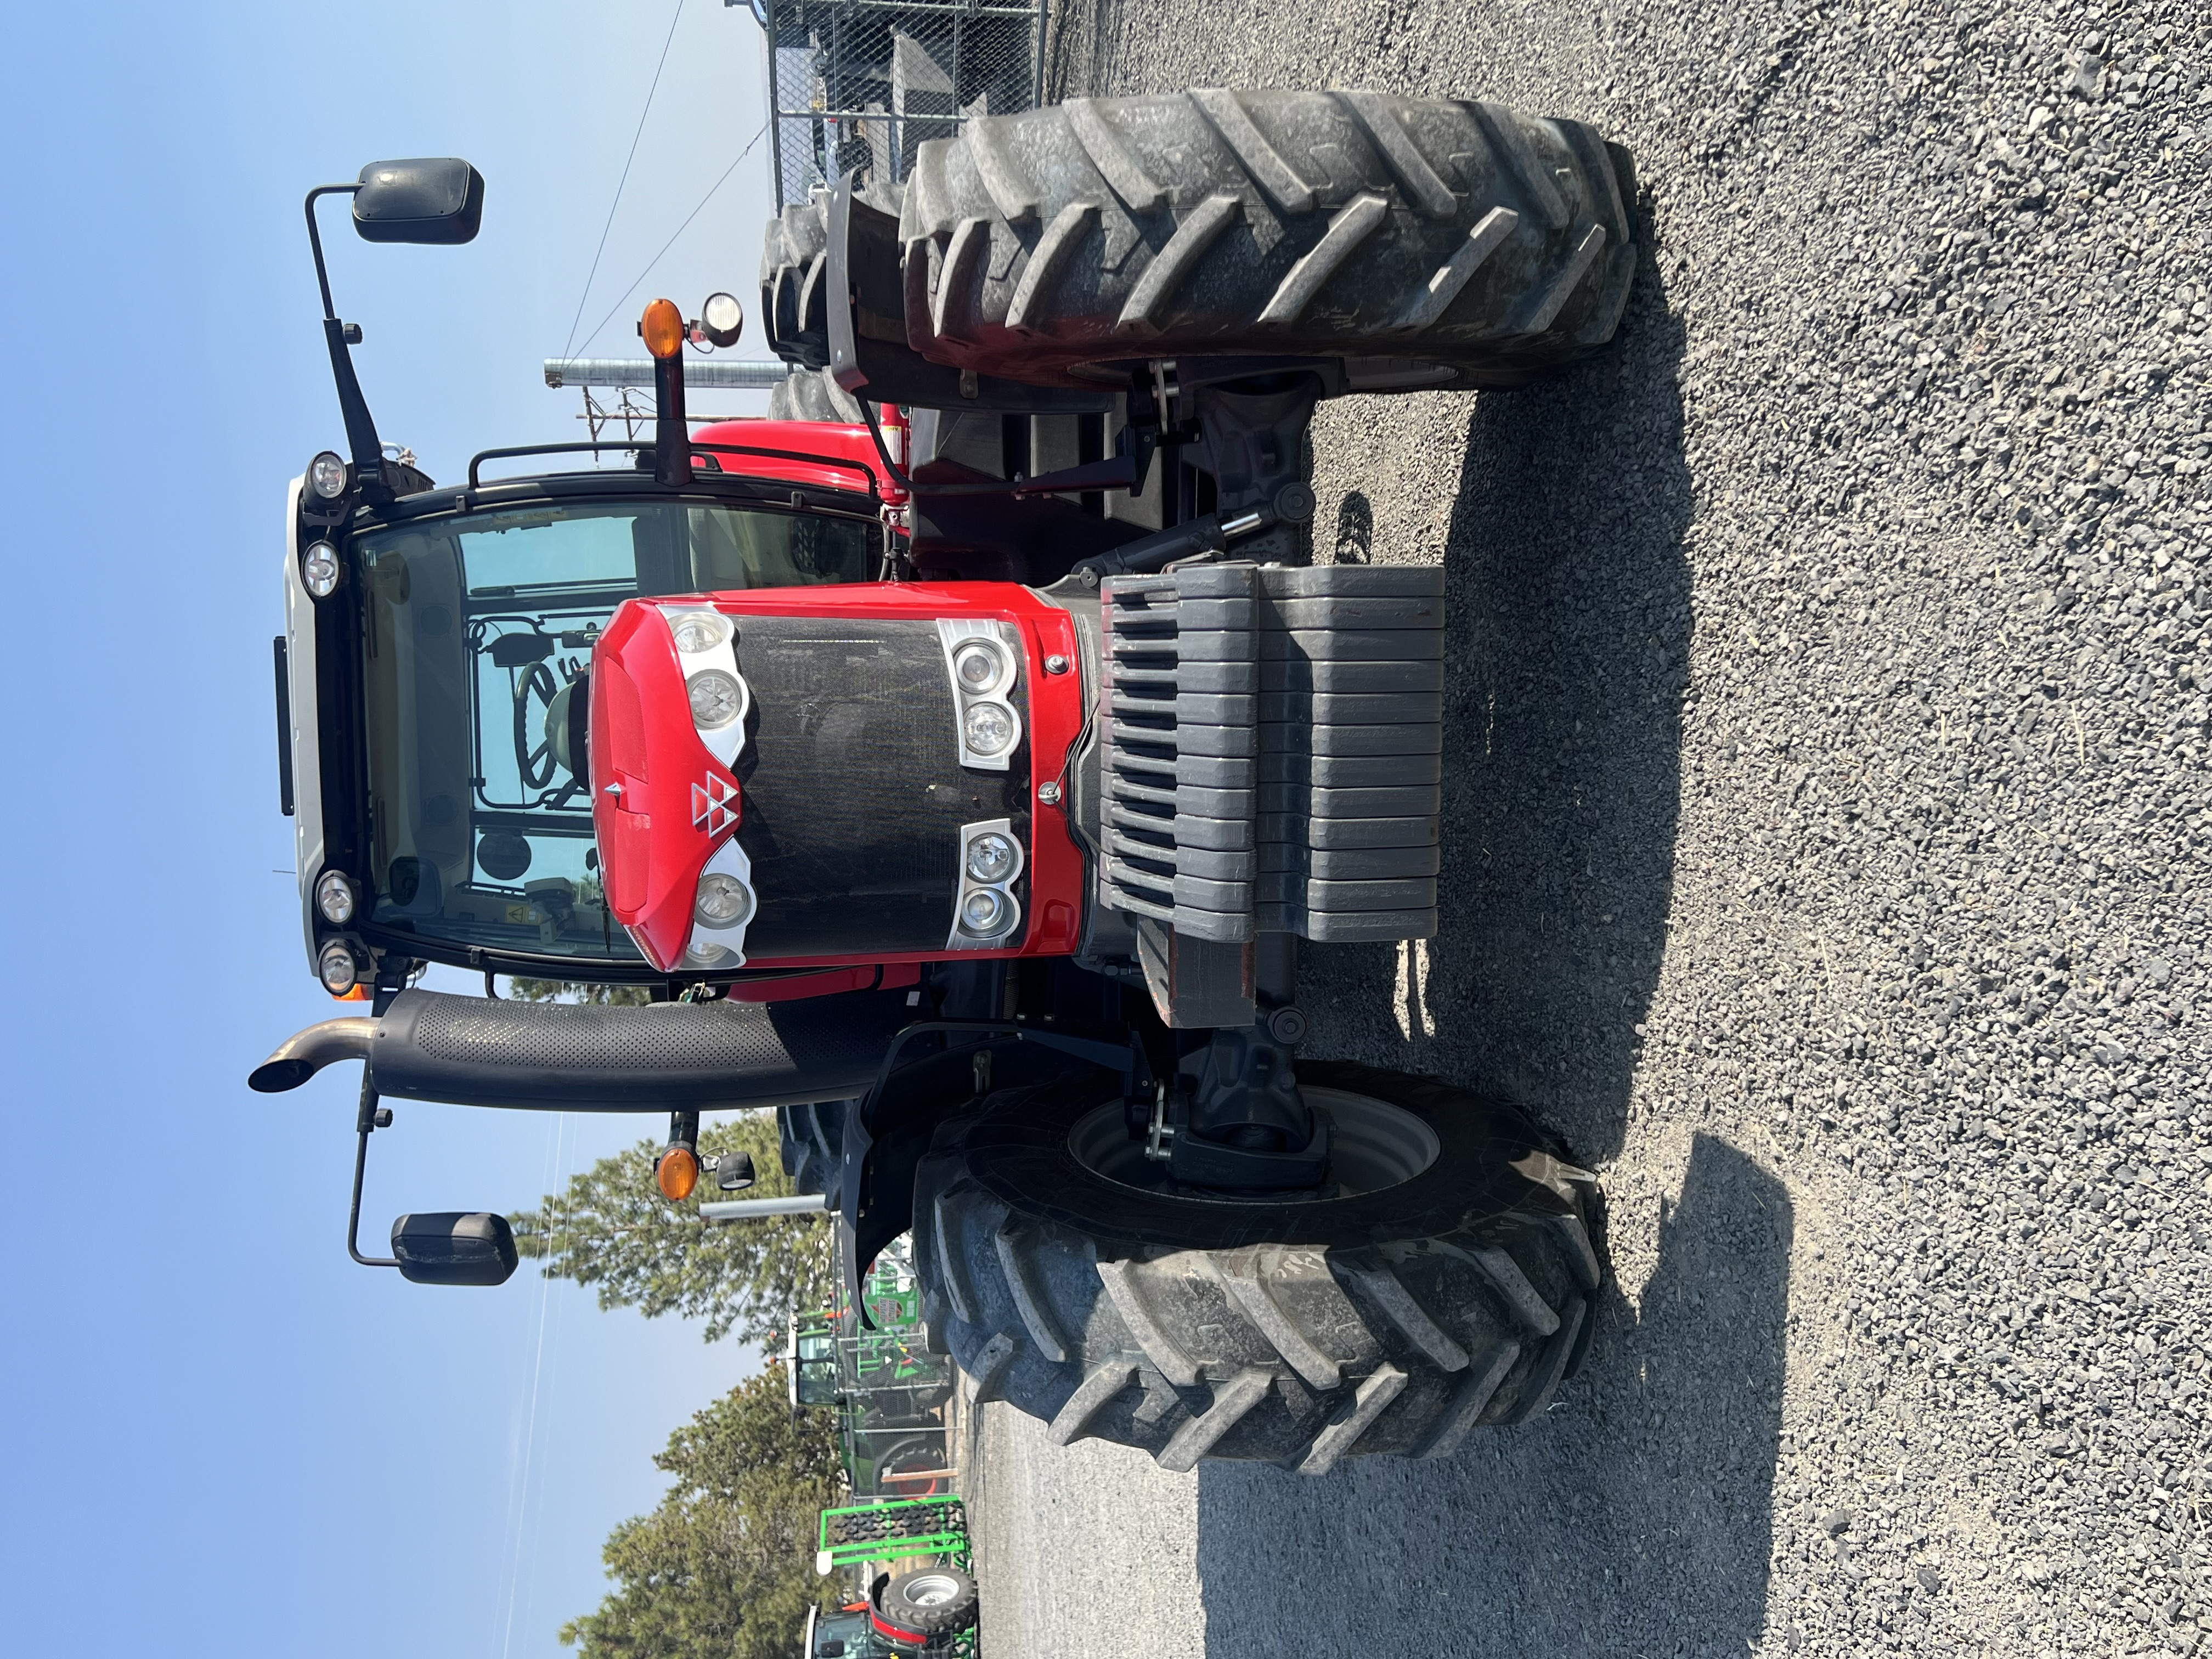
809 1356
447 663
844 1634
433 709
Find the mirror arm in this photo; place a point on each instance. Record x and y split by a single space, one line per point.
315 238
365 1124
360 428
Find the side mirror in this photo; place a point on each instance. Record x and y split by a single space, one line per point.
438 200
451 1248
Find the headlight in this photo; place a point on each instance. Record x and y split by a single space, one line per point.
723 900
700 630
318 568
722 319
334 898
980 666
337 970
983 911
990 858
703 954
326 475
716 699
988 728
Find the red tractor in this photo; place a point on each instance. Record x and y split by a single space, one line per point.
968 818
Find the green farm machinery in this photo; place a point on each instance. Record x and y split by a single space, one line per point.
889 1391
901 1542
910 1561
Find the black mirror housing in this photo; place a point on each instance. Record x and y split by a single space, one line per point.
451 1247
437 200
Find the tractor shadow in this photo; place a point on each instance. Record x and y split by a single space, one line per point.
1568 620
1635 1517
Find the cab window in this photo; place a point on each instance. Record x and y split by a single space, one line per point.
478 631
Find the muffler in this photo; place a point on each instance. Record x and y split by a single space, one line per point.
572 1057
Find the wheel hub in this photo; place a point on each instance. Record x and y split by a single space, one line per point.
1372 1145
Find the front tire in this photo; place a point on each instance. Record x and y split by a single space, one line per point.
1426 240
1454 1283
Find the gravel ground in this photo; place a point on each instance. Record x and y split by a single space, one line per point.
1824 839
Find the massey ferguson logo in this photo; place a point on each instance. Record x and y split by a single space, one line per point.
714 805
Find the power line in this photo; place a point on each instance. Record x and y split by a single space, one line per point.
624 180
519 1504
671 242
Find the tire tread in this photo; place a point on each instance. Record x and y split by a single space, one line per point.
1298 1354
1217 221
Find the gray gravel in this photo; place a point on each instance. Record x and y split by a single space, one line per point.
1825 833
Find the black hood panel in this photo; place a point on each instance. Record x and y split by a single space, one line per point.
854 795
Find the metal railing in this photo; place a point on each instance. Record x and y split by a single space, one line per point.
730 373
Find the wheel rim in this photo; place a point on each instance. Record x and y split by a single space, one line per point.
1373 1145
931 1590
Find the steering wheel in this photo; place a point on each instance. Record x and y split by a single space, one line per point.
534 691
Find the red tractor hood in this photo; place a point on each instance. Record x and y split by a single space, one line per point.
860 796
834 442
662 803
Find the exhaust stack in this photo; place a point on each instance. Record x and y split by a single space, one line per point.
299 1056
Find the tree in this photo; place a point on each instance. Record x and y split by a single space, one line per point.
559 990
723 1569
611 1228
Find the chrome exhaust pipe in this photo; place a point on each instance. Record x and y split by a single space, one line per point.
299 1056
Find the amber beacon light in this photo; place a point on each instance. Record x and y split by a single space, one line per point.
677 1173
662 328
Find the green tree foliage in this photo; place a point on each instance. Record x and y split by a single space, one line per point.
723 1568
555 990
613 1229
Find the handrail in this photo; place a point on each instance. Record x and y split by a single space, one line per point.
476 461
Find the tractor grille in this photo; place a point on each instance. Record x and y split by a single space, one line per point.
1271 742
854 795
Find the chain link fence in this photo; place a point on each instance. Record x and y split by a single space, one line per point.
859 85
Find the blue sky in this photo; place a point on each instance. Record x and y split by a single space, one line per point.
217 1435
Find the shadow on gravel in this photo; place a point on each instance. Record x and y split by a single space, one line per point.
1634 1518
1568 611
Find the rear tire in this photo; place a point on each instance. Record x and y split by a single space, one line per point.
920 1453
1390 1320
1445 234
794 311
812 394
794 304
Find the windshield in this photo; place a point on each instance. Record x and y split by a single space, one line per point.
476 630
